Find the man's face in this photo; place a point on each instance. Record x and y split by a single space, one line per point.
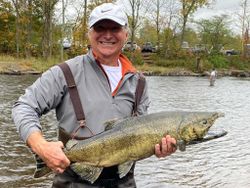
107 38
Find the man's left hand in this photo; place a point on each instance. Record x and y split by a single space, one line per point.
167 147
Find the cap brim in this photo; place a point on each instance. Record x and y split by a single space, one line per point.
120 22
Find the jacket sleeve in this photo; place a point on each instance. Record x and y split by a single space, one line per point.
39 98
144 103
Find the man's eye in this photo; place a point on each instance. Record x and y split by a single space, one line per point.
103 29
99 29
116 29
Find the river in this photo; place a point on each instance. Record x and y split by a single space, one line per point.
224 162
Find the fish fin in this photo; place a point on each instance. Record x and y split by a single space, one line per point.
41 168
110 124
71 143
124 168
181 145
87 172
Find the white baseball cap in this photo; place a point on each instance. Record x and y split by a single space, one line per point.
108 11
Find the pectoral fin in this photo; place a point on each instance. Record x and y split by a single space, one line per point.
86 172
41 168
124 168
181 145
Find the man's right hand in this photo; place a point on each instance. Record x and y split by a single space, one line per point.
50 152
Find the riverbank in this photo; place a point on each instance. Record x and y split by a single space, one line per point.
21 67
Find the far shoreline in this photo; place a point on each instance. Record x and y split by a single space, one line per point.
172 72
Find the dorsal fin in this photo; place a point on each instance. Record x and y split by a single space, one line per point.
110 124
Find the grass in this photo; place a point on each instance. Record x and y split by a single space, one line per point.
10 63
160 66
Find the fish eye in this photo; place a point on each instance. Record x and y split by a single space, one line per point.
204 121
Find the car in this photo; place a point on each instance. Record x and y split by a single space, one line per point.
199 48
127 47
229 52
148 47
66 44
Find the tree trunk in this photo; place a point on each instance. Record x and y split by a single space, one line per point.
84 23
28 47
16 4
48 6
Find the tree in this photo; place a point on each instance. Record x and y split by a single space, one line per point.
162 14
214 32
7 27
150 35
188 8
245 24
135 10
48 12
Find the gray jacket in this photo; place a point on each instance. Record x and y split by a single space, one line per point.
50 92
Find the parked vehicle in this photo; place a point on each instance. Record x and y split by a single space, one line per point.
148 47
199 48
66 44
128 47
229 52
185 45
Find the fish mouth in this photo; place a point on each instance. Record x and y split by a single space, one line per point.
220 114
214 117
207 124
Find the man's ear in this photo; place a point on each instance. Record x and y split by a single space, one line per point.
127 36
88 34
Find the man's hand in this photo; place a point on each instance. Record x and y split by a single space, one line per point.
50 152
167 147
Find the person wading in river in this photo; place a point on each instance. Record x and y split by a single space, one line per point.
106 82
212 77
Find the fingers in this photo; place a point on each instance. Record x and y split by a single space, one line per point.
54 157
167 147
58 170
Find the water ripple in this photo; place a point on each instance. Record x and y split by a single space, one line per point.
222 163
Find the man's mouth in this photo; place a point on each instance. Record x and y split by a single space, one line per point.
107 43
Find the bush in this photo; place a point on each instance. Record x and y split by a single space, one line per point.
218 61
135 57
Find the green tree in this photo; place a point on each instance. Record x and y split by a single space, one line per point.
148 36
214 32
188 8
7 27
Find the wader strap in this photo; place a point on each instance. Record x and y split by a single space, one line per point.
138 93
75 99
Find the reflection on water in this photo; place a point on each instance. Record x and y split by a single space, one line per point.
224 162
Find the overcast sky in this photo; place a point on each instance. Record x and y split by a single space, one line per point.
220 7
230 7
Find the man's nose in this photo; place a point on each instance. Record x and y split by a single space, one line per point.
108 33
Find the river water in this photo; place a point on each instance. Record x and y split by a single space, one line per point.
224 162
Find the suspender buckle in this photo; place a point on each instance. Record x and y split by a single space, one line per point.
82 123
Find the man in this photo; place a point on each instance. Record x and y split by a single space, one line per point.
212 77
106 83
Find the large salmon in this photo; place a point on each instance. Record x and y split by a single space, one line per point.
132 139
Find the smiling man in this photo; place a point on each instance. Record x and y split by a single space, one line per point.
103 88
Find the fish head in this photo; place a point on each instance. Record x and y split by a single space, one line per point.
196 125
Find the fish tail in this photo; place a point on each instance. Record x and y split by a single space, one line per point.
41 168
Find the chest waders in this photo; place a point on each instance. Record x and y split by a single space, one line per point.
109 177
